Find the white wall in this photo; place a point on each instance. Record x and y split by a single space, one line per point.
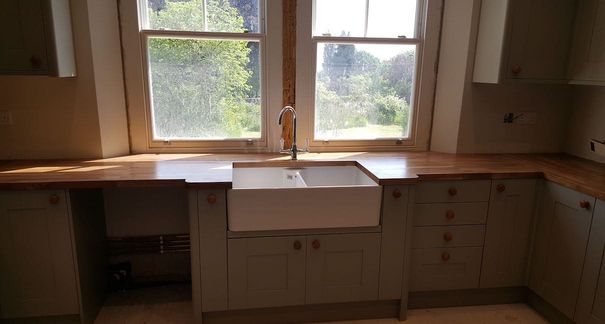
63 118
482 129
468 116
587 121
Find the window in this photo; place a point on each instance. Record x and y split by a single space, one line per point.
364 90
203 71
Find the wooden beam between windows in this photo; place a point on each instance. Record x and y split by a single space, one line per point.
289 66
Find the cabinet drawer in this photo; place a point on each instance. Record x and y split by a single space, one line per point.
450 214
453 191
445 269
448 236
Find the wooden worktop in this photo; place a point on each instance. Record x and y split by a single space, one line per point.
214 170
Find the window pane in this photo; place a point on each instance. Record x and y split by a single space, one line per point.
385 18
363 91
205 89
204 15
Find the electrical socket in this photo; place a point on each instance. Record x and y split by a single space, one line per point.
6 118
526 118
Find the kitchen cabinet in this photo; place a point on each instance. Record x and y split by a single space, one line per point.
448 234
37 268
342 267
524 40
587 62
561 238
267 272
296 270
437 269
509 220
36 37
591 301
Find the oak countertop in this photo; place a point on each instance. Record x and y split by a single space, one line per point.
214 170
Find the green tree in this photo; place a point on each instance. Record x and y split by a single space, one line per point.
201 87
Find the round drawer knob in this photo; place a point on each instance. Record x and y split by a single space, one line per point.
585 204
452 191
448 237
53 199
500 187
396 193
516 69
297 245
445 256
211 199
316 245
450 215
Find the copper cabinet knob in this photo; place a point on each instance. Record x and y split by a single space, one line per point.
297 245
500 187
53 199
396 193
211 199
516 69
450 215
448 237
452 191
35 62
585 204
316 245
445 256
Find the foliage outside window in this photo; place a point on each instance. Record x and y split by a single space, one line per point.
204 69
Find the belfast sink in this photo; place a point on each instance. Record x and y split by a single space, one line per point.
305 196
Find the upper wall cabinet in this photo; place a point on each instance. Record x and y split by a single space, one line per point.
36 38
524 40
587 63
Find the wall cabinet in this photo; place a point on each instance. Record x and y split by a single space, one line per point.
524 40
37 269
36 37
560 244
509 220
591 301
587 63
294 270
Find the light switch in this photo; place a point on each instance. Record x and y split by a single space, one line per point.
6 118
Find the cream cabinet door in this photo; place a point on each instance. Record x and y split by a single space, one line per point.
587 63
266 272
540 38
560 246
591 302
505 254
23 49
37 272
342 267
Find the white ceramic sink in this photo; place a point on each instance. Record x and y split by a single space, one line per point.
279 198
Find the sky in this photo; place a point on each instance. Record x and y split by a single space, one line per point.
386 18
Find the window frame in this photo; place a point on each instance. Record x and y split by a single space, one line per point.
137 71
426 39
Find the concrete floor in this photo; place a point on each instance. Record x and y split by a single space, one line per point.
173 305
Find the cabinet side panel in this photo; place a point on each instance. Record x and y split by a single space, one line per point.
88 219
394 218
213 250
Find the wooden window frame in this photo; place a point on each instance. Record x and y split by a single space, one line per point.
136 72
426 41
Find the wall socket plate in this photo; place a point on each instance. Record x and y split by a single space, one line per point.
598 147
520 118
6 118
